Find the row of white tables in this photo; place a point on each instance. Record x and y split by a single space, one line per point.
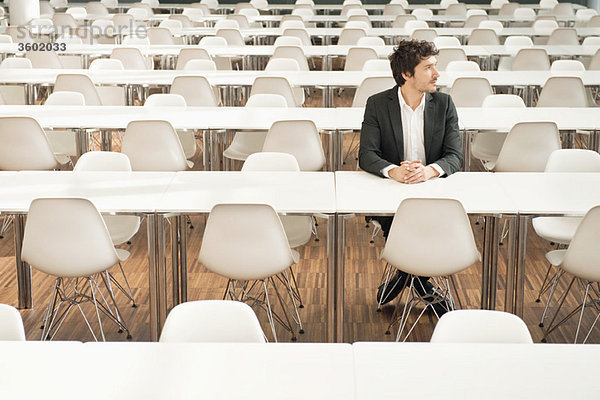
335 198
332 121
299 371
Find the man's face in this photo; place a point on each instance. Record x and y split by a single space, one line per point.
425 76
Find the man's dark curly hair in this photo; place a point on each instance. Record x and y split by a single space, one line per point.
407 55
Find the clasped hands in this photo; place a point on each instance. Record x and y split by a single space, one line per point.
412 172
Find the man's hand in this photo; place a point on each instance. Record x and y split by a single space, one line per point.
417 172
400 173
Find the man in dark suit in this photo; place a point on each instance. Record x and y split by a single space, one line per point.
410 134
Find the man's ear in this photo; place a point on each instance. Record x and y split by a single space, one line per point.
406 76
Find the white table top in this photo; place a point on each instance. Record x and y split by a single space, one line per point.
365 193
127 192
505 118
293 192
476 371
293 371
42 370
117 117
552 193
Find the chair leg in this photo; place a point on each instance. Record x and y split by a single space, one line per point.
552 326
5 224
293 294
125 290
557 275
269 310
385 279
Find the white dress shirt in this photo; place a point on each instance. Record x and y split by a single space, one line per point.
412 134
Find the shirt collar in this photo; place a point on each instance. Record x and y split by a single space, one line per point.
403 103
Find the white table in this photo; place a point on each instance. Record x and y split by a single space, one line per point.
297 193
111 192
211 119
386 371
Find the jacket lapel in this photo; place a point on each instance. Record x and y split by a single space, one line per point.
396 118
428 125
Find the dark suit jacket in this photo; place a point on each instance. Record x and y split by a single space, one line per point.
381 139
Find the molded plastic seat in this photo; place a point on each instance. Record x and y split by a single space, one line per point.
294 52
196 90
531 60
132 58
483 37
276 85
447 55
563 91
153 146
82 251
480 326
417 225
24 146
246 143
445 41
527 147
369 87
256 249
357 56
11 324
63 142
212 321
186 55
563 36
78 83
454 66
350 36
299 138
44 59
470 91
16 62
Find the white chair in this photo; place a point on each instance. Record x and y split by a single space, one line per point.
357 56
102 64
212 4
584 15
579 260
232 36
498 3
44 59
456 9
11 324
560 230
483 37
548 3
422 13
294 52
412 25
223 63
160 36
121 228
77 12
544 27
276 85
470 91
63 142
428 34
299 138
298 228
563 91
567 66
186 137
222 321
96 8
473 21
6 39
480 326
563 9
476 11
446 55
527 148
134 41
24 146
139 14
524 14
200 65
357 25
594 22
370 41
518 41
196 90
563 37
241 19
377 65
82 252
401 20
417 225
457 66
393 9
595 62
591 41
256 250
369 86
153 146
16 62
132 58
246 143
302 34
496 26
287 41
78 83
446 41
486 144
531 60
350 36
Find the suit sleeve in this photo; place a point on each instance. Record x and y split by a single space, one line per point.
369 153
452 154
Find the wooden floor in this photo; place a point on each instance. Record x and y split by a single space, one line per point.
363 274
